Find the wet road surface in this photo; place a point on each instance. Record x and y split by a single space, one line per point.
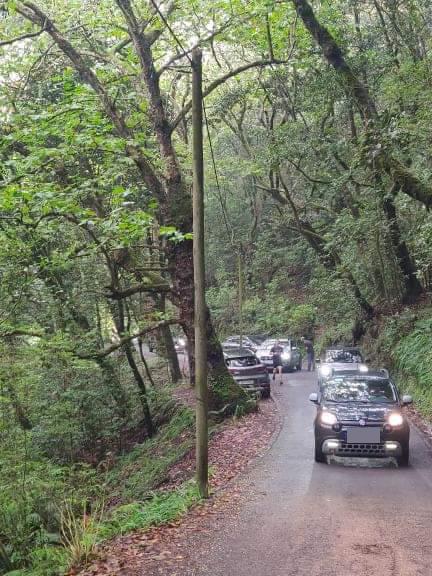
308 519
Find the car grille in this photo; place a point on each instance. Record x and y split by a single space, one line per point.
372 450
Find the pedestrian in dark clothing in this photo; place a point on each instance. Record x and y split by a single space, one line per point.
310 354
276 351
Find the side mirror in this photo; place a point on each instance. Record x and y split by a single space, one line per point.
406 399
317 361
313 397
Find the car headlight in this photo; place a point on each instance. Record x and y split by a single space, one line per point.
325 371
286 356
363 368
328 418
395 419
182 342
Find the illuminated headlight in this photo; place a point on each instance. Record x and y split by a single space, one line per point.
363 368
182 342
325 371
286 356
395 419
328 418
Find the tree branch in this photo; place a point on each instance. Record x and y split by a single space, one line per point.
115 294
219 81
23 37
113 347
32 13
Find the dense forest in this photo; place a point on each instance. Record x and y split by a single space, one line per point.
318 131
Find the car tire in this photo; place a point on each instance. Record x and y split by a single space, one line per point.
265 394
319 454
403 460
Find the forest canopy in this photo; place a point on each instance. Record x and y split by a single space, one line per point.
318 196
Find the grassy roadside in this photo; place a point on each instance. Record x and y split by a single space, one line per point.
124 499
403 344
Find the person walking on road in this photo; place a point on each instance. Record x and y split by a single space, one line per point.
310 354
276 351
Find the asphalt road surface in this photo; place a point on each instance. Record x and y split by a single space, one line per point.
361 518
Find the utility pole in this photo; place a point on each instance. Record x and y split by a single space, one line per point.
240 292
199 278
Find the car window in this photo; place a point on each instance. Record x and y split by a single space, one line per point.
345 356
359 390
242 362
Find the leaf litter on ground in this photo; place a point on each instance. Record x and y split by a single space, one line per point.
163 550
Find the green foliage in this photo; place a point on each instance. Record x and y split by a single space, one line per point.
144 467
299 198
162 507
404 345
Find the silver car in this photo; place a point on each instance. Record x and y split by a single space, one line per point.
340 360
291 355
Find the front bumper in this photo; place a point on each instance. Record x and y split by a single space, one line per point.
382 450
392 443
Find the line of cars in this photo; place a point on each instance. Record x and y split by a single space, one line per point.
359 409
249 360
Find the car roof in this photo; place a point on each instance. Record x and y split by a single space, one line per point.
343 349
237 352
381 374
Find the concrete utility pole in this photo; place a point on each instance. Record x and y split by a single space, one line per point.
240 292
199 278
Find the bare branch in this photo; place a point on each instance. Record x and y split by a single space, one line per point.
219 81
31 12
115 294
113 347
23 37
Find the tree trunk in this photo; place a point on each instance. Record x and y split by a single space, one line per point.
171 354
169 348
142 390
379 157
115 388
118 314
145 363
21 416
412 288
331 261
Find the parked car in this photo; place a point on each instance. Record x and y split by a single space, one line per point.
234 342
257 338
247 371
359 415
340 359
291 356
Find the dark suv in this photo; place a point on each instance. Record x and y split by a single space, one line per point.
247 371
360 415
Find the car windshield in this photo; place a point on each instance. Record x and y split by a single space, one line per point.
242 362
344 356
359 390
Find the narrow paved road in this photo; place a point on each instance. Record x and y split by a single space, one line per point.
307 519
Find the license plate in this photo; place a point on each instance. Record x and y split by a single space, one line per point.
247 382
367 435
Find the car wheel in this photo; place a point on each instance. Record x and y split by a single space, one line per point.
403 460
265 394
319 454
